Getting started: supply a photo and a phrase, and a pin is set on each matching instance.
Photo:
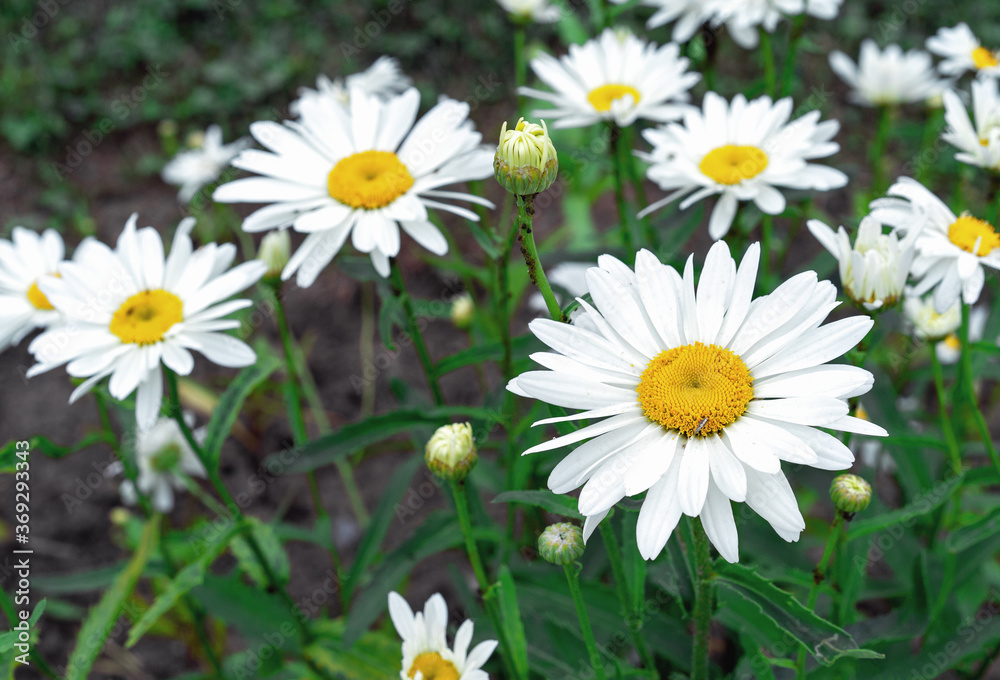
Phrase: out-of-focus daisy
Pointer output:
(963, 52)
(870, 452)
(741, 152)
(884, 78)
(745, 19)
(194, 168)
(128, 310)
(949, 350)
(383, 79)
(531, 11)
(362, 172)
(616, 77)
(163, 459)
(980, 144)
(927, 323)
(951, 249)
(873, 271)
(426, 653)
(24, 261)
(690, 15)
(696, 395)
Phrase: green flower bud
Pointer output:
(526, 162)
(850, 494)
(275, 251)
(451, 452)
(463, 309)
(561, 543)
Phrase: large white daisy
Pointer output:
(24, 261)
(741, 152)
(696, 395)
(963, 52)
(616, 77)
(362, 172)
(883, 78)
(951, 249)
(426, 654)
(978, 144)
(130, 309)
(383, 79)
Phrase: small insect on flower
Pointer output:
(700, 425)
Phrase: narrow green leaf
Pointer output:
(101, 618)
(375, 656)
(510, 615)
(48, 448)
(7, 640)
(926, 502)
(270, 546)
(481, 353)
(544, 499)
(972, 534)
(262, 618)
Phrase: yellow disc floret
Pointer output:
(145, 317)
(37, 298)
(732, 164)
(974, 235)
(369, 180)
(433, 667)
(601, 97)
(695, 389)
(983, 58)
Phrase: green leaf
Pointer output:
(9, 458)
(923, 504)
(481, 353)
(972, 534)
(825, 641)
(102, 617)
(510, 616)
(270, 546)
(7, 640)
(190, 576)
(375, 655)
(262, 618)
(230, 404)
(542, 498)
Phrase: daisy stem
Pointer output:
(819, 576)
(413, 328)
(581, 613)
(793, 47)
(942, 398)
(993, 213)
(520, 66)
(767, 59)
(766, 236)
(702, 600)
(711, 40)
(525, 215)
(970, 385)
(619, 172)
(932, 131)
(648, 232)
(879, 149)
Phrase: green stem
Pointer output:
(819, 576)
(993, 212)
(932, 131)
(981, 425)
(793, 47)
(702, 601)
(525, 214)
(711, 54)
(949, 433)
(879, 149)
(767, 59)
(632, 165)
(465, 521)
(520, 64)
(416, 336)
(581, 612)
(624, 226)
(766, 238)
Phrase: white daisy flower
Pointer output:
(740, 152)
(963, 52)
(949, 350)
(130, 309)
(528, 11)
(745, 19)
(426, 654)
(616, 77)
(362, 172)
(874, 270)
(690, 15)
(927, 323)
(883, 78)
(163, 459)
(24, 261)
(194, 168)
(951, 250)
(696, 395)
(978, 145)
(383, 79)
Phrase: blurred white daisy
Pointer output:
(978, 144)
(949, 350)
(951, 249)
(130, 309)
(383, 79)
(568, 281)
(926, 322)
(745, 19)
(870, 452)
(194, 168)
(616, 77)
(528, 11)
(690, 15)
(163, 459)
(874, 270)
(695, 396)
(883, 78)
(740, 152)
(24, 261)
(362, 172)
(963, 52)
(426, 654)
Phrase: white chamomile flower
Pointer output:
(927, 323)
(951, 250)
(978, 144)
(362, 172)
(615, 77)
(163, 459)
(873, 271)
(383, 79)
(690, 15)
(745, 19)
(531, 11)
(24, 261)
(194, 168)
(889, 77)
(949, 350)
(130, 309)
(426, 654)
(741, 152)
(695, 396)
(963, 52)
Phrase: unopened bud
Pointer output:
(275, 251)
(463, 309)
(850, 494)
(526, 162)
(451, 452)
(561, 543)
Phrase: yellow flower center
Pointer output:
(37, 298)
(600, 98)
(973, 235)
(145, 317)
(983, 58)
(695, 389)
(369, 180)
(732, 164)
(953, 342)
(433, 667)
(861, 413)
